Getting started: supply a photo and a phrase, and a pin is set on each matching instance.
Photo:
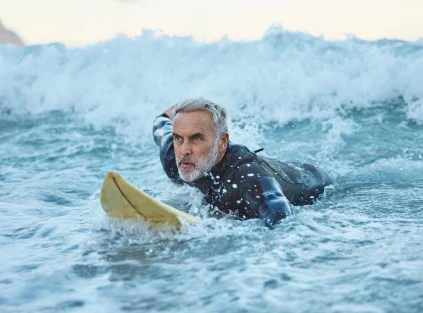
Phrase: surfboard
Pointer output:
(119, 198)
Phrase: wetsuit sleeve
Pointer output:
(162, 133)
(262, 195)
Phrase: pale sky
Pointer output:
(82, 22)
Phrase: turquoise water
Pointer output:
(67, 116)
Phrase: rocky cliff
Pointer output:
(7, 36)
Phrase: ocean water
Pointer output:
(352, 107)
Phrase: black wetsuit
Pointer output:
(245, 184)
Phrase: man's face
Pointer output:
(196, 146)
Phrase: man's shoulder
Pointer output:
(239, 154)
(242, 161)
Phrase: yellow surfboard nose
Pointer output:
(119, 198)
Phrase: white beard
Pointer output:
(203, 166)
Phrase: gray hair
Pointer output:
(219, 113)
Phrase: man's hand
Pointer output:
(169, 112)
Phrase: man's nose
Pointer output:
(186, 148)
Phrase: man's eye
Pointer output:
(176, 138)
(196, 138)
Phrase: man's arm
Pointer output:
(262, 195)
(162, 133)
(169, 113)
(273, 205)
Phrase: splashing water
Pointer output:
(352, 107)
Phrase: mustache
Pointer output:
(186, 160)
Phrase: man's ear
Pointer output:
(223, 141)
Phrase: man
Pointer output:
(195, 148)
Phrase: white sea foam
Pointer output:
(282, 77)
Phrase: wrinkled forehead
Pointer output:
(195, 120)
